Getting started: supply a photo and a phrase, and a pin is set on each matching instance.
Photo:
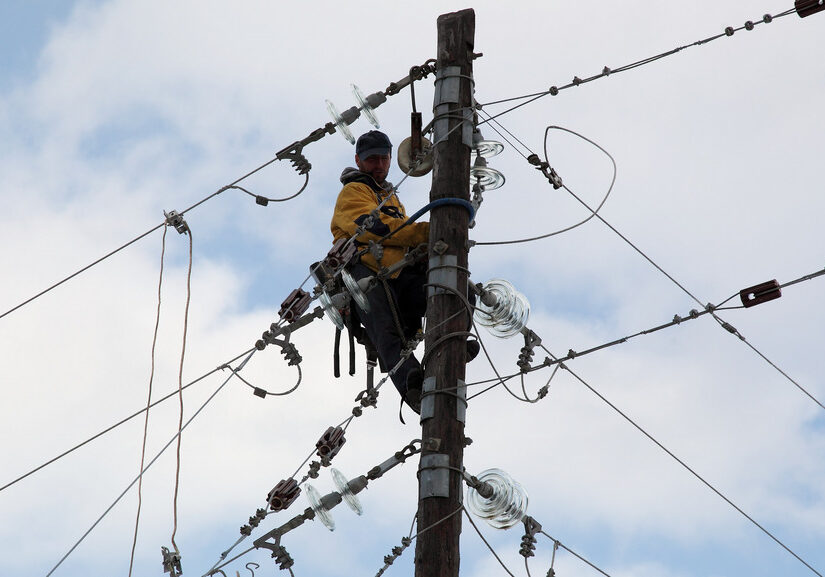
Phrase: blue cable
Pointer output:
(441, 202)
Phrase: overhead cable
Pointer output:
(121, 422)
(606, 71)
(687, 467)
(166, 446)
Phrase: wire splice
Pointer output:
(175, 219)
(171, 562)
(548, 171)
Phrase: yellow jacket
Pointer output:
(359, 197)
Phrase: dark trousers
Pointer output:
(410, 304)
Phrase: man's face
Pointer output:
(376, 165)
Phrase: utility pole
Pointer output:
(443, 403)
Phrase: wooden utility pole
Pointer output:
(444, 400)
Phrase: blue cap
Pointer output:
(371, 143)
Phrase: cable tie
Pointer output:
(767, 18)
(729, 31)
(694, 314)
(572, 354)
(553, 90)
(677, 319)
(748, 25)
(577, 80)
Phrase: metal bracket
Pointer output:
(443, 271)
(427, 400)
(461, 404)
(434, 476)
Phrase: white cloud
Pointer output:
(136, 108)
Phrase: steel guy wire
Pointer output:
(121, 422)
(136, 239)
(345, 424)
(592, 212)
(554, 90)
(400, 457)
(727, 326)
(168, 444)
(490, 547)
(595, 212)
(569, 550)
(469, 308)
(685, 465)
(265, 393)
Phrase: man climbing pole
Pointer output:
(398, 303)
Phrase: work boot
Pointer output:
(415, 379)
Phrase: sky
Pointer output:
(112, 112)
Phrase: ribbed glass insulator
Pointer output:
(505, 311)
(355, 291)
(339, 122)
(489, 178)
(331, 310)
(323, 514)
(365, 107)
(349, 497)
(505, 507)
(487, 148)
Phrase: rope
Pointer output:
(148, 404)
(180, 393)
(152, 462)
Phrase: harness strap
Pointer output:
(351, 352)
(391, 302)
(336, 358)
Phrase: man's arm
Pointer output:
(357, 202)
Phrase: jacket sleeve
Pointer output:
(354, 205)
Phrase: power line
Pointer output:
(121, 422)
(117, 500)
(606, 71)
(595, 213)
(137, 238)
(687, 467)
